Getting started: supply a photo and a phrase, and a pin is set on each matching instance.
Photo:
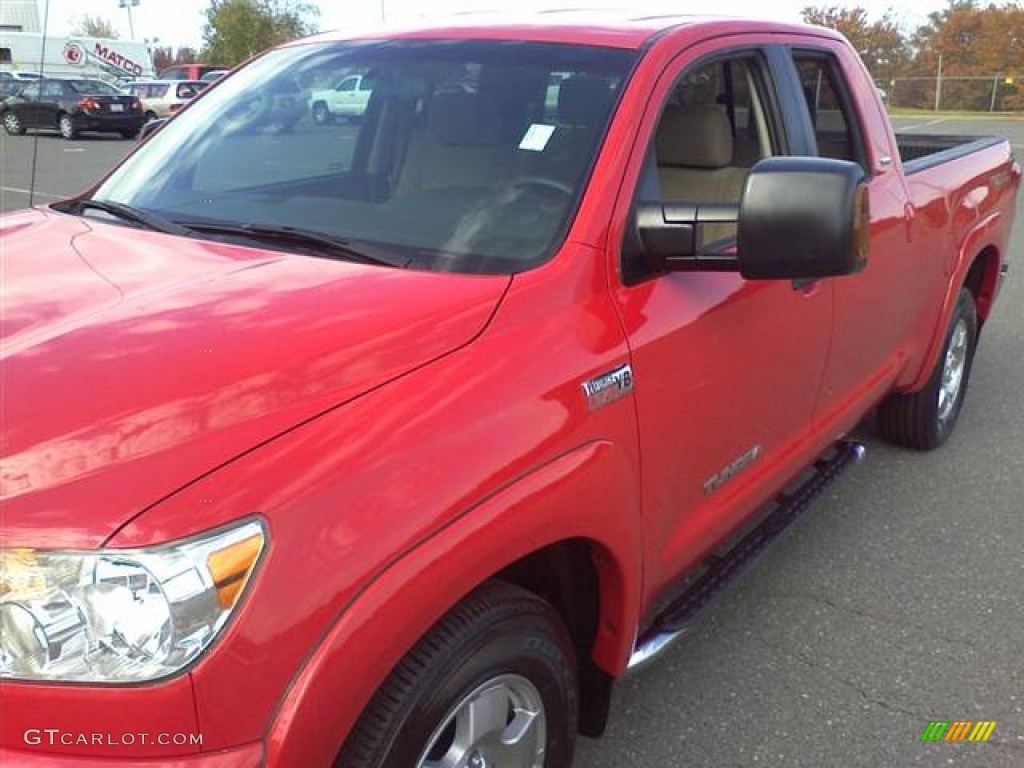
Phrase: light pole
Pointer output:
(129, 4)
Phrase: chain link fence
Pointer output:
(992, 93)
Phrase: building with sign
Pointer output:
(75, 56)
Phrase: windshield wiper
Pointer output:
(127, 213)
(319, 241)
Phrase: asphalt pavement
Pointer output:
(896, 601)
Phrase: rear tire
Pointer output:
(130, 134)
(923, 420)
(13, 124)
(66, 126)
(499, 670)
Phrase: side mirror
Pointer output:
(151, 127)
(803, 218)
(798, 218)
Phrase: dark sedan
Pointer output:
(72, 107)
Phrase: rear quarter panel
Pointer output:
(963, 207)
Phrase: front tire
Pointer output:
(492, 684)
(13, 124)
(67, 127)
(923, 420)
(321, 115)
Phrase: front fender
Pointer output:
(587, 493)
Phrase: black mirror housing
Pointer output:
(669, 235)
(803, 218)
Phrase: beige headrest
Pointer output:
(695, 137)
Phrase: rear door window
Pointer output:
(835, 123)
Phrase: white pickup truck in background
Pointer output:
(347, 99)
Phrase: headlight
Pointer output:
(120, 616)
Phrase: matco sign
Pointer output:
(119, 60)
(77, 55)
(74, 54)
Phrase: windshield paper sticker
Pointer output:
(537, 137)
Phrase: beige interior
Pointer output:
(694, 148)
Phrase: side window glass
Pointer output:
(30, 92)
(52, 90)
(835, 126)
(711, 133)
(349, 84)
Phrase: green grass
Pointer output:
(912, 112)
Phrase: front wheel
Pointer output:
(13, 124)
(923, 420)
(492, 685)
(321, 115)
(66, 126)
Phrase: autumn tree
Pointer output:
(93, 26)
(975, 41)
(238, 29)
(880, 43)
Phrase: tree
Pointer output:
(881, 44)
(238, 29)
(166, 56)
(93, 26)
(975, 42)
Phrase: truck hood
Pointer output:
(134, 362)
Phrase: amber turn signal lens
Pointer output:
(861, 226)
(230, 568)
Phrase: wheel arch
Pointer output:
(983, 281)
(532, 534)
(977, 268)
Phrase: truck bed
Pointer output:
(921, 150)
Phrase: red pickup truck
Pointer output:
(394, 444)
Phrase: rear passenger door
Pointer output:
(726, 371)
(876, 309)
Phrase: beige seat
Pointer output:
(462, 146)
(694, 149)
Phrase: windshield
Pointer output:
(458, 155)
(92, 87)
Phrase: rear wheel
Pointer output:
(923, 420)
(492, 685)
(130, 134)
(13, 124)
(151, 116)
(67, 127)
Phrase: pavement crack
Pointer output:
(861, 613)
(857, 688)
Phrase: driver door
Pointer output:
(726, 370)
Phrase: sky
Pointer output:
(180, 22)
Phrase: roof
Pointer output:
(614, 28)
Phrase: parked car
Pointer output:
(20, 75)
(214, 75)
(347, 99)
(162, 98)
(188, 71)
(395, 446)
(10, 87)
(71, 107)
